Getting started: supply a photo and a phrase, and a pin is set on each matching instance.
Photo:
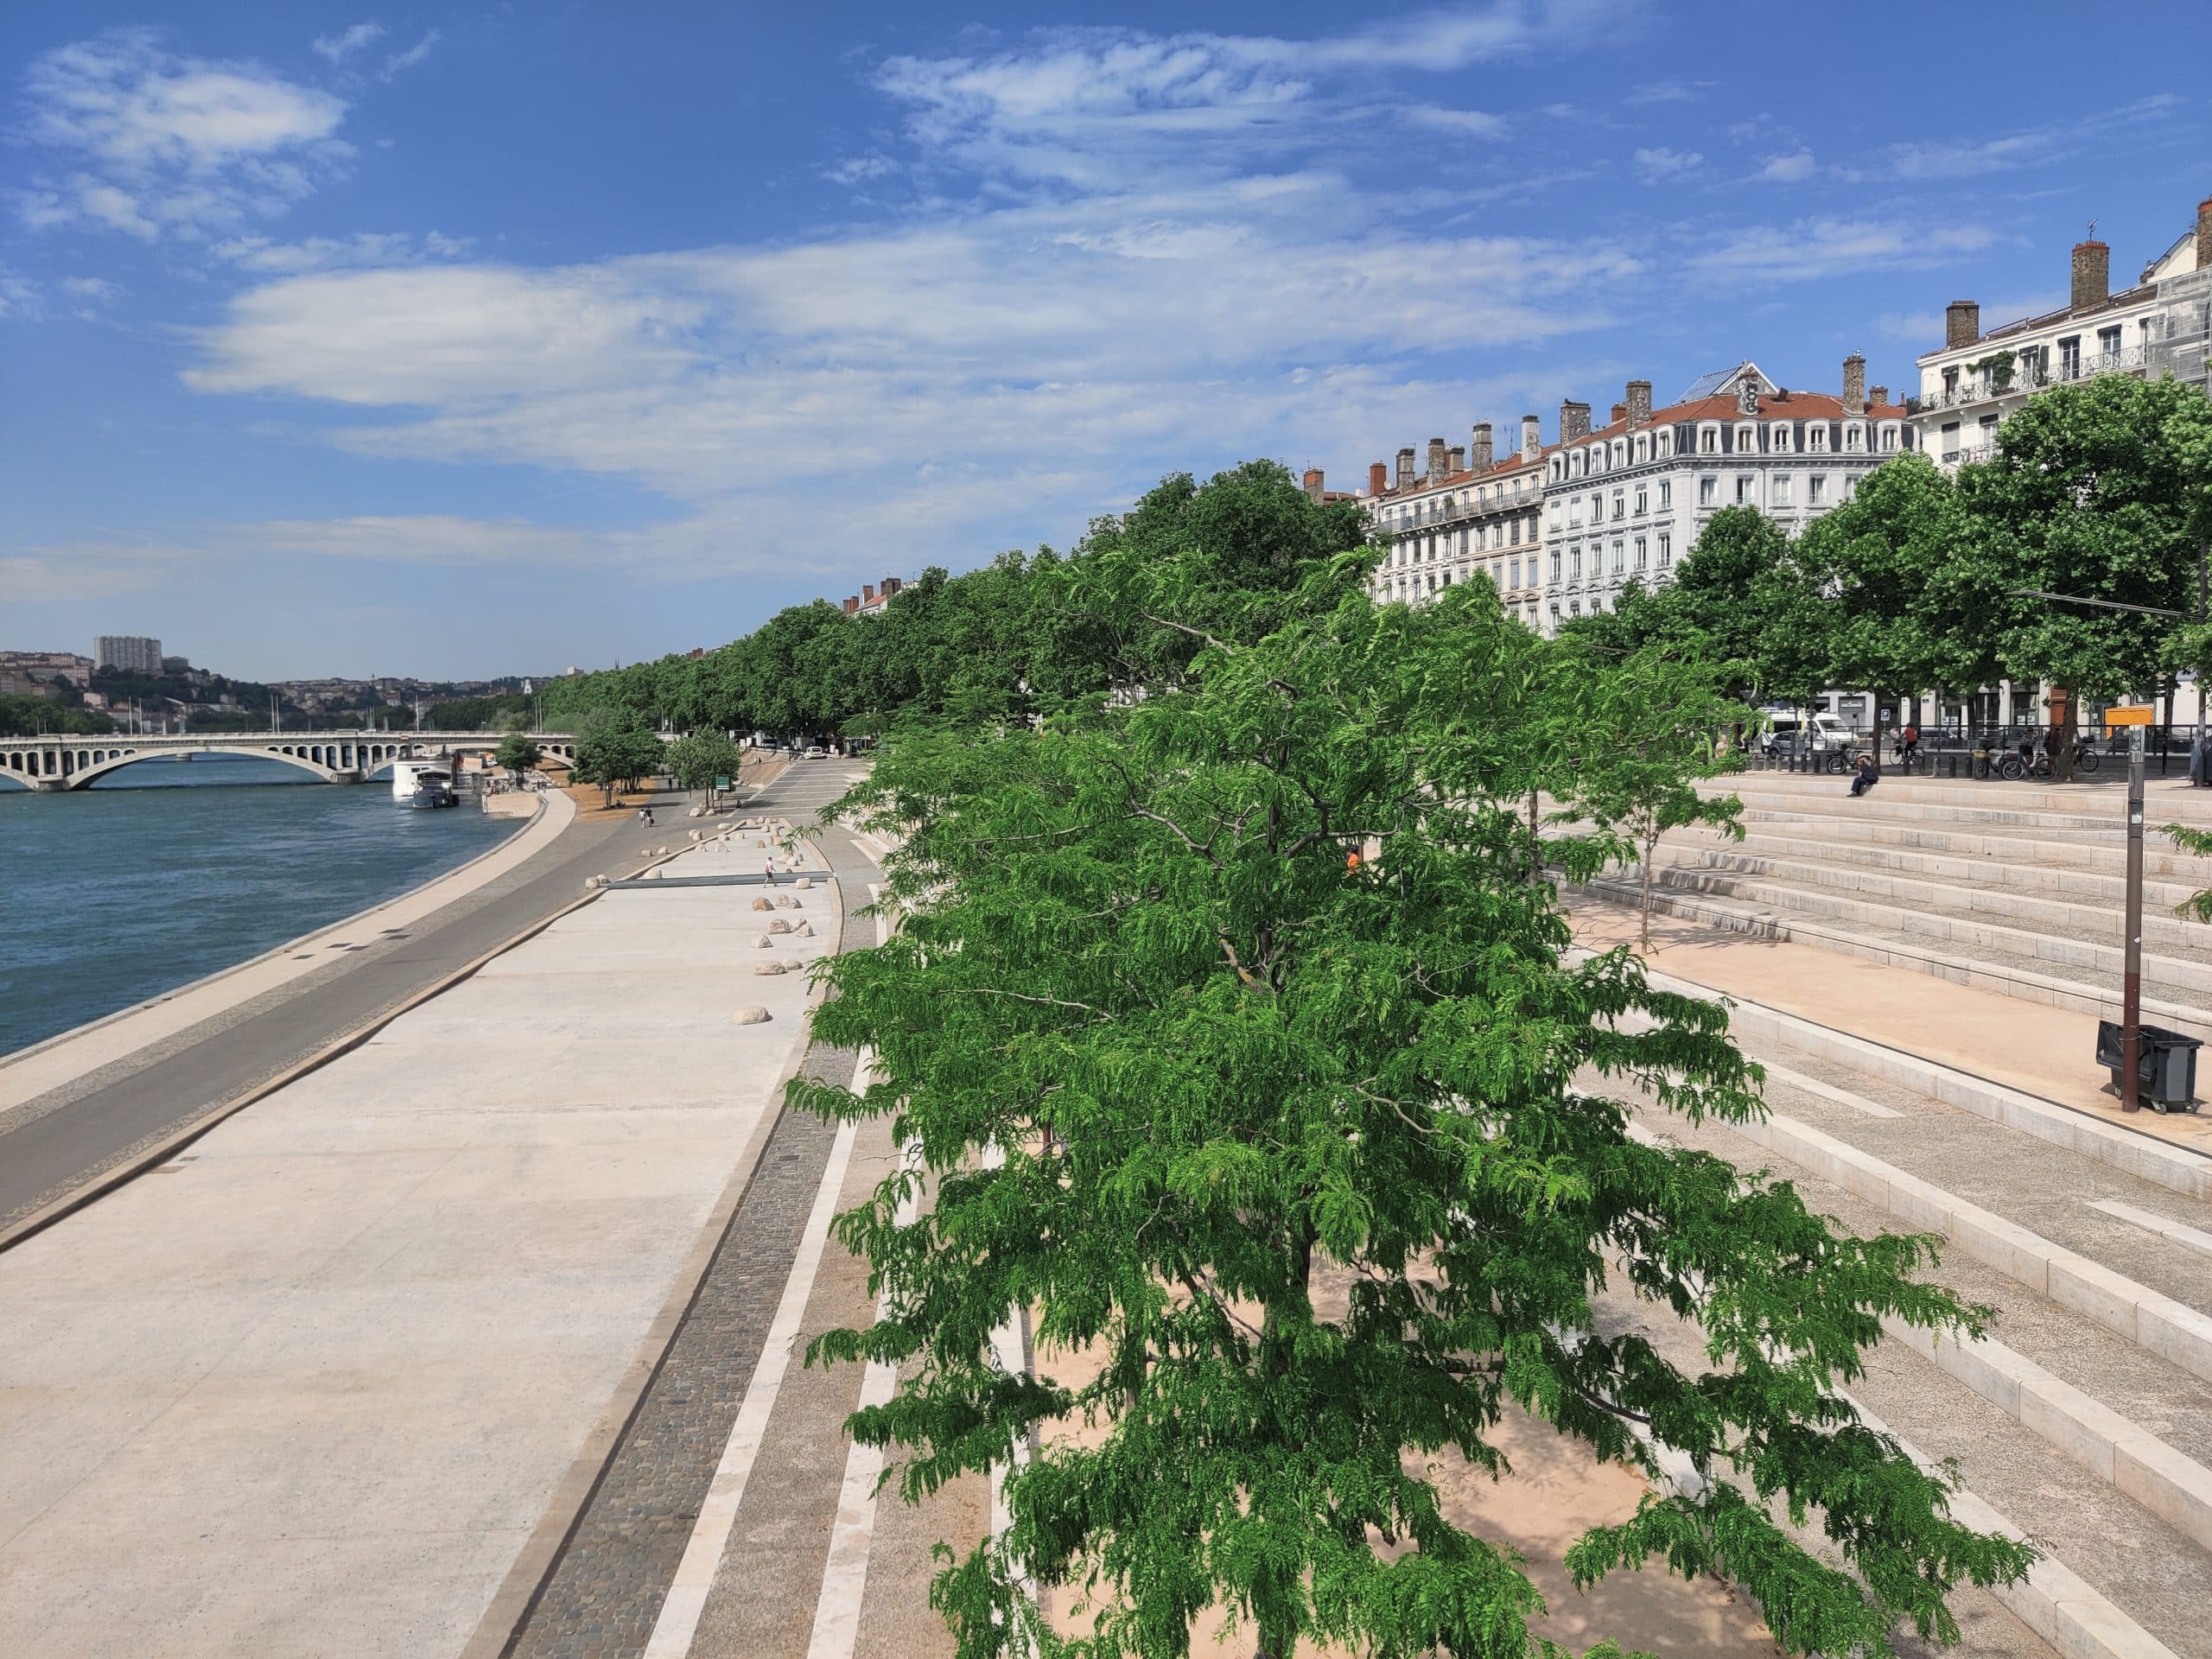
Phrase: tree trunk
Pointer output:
(1535, 845)
(1650, 849)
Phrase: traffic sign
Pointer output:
(2128, 717)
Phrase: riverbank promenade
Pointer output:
(313, 1384)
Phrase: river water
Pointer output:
(162, 873)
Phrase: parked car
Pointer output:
(817, 752)
(1789, 733)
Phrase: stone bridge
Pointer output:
(57, 762)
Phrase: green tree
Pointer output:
(1647, 729)
(2198, 905)
(614, 749)
(22, 716)
(1303, 1149)
(2098, 491)
(698, 758)
(517, 754)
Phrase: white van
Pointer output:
(1790, 733)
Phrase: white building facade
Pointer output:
(1975, 378)
(1471, 511)
(1625, 502)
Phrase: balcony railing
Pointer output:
(1970, 454)
(1983, 389)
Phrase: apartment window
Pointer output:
(1555, 571)
(1597, 508)
(2069, 358)
(1643, 500)
(1517, 532)
(1554, 614)
(1642, 450)
(1515, 569)
(1816, 439)
(1747, 489)
(1574, 509)
(1574, 563)
(1620, 505)
(1747, 438)
(2108, 345)
(1643, 556)
(1666, 550)
(1708, 491)
(1708, 440)
(1575, 607)
(1782, 492)
(1950, 385)
(1854, 438)
(1889, 438)
(1620, 557)
(1816, 490)
(1851, 485)
(1620, 454)
(1778, 438)
(1666, 493)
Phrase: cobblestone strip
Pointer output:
(607, 1588)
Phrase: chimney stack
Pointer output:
(2092, 274)
(1619, 415)
(2204, 234)
(1378, 478)
(1573, 420)
(1854, 385)
(1880, 395)
(852, 604)
(1439, 457)
(1313, 481)
(1458, 461)
(1639, 403)
(1478, 450)
(1532, 442)
(868, 593)
(1406, 467)
(892, 585)
(1961, 324)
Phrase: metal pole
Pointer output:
(2131, 984)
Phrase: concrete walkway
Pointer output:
(309, 1389)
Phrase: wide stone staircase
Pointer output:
(2010, 887)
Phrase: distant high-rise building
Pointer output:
(128, 651)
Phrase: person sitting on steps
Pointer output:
(1869, 774)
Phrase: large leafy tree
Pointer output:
(614, 749)
(1174, 1057)
(698, 758)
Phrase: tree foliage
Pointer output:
(517, 752)
(699, 758)
(614, 749)
(22, 716)
(1315, 1156)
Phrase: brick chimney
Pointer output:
(1573, 420)
(1639, 403)
(1406, 467)
(868, 593)
(1961, 324)
(852, 603)
(1478, 449)
(1378, 478)
(1854, 385)
(2204, 234)
(1458, 461)
(2092, 274)
(1313, 482)
(1880, 395)
(1532, 442)
(892, 585)
(1438, 459)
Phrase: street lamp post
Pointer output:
(2131, 977)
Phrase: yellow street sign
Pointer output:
(2128, 717)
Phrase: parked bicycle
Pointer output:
(2033, 760)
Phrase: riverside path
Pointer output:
(340, 1377)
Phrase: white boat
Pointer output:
(407, 776)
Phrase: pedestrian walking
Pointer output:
(769, 870)
(1869, 774)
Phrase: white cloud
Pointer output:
(1670, 91)
(858, 169)
(341, 45)
(86, 569)
(160, 144)
(1935, 161)
(1663, 166)
(1475, 123)
(413, 55)
(363, 248)
(19, 300)
(1813, 248)
(1793, 168)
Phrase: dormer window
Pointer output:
(1620, 453)
(1708, 440)
(1854, 437)
(1816, 438)
(1642, 448)
(1665, 444)
(1747, 438)
(1889, 438)
(1778, 437)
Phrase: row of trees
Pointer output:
(1244, 1044)
(2101, 491)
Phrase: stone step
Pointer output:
(2106, 851)
(2019, 928)
(2100, 802)
(2024, 978)
(2080, 915)
(2099, 884)
(1995, 813)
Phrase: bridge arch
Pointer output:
(84, 770)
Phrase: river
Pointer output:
(162, 873)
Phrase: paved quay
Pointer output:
(91, 1101)
(316, 1385)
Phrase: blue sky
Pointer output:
(461, 341)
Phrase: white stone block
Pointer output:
(754, 1015)
(2104, 1296)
